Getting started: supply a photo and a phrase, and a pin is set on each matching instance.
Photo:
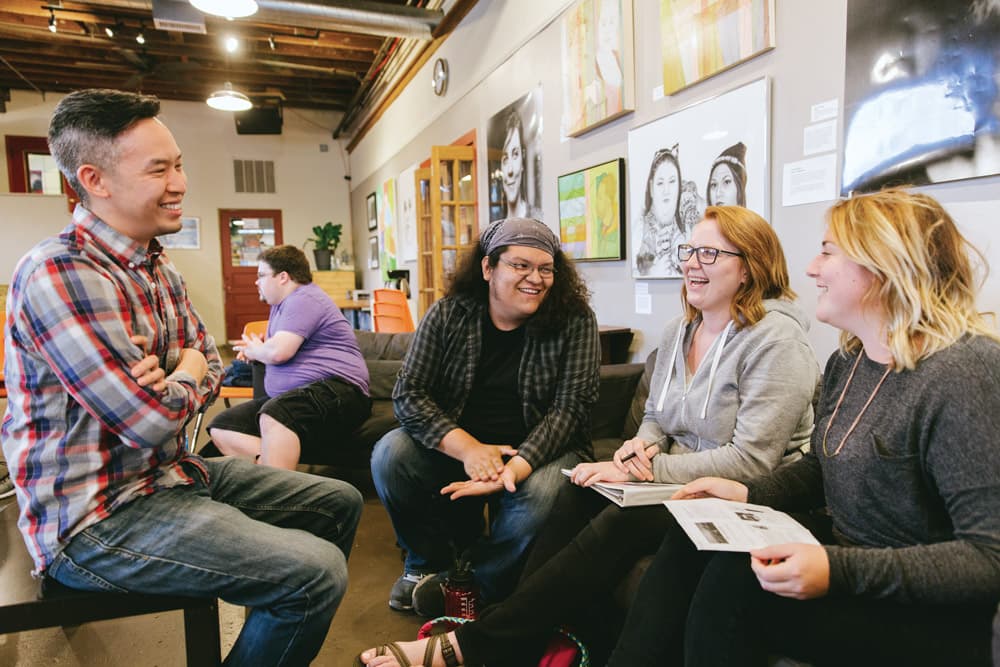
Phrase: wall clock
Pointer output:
(440, 78)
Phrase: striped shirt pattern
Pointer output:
(557, 380)
(80, 436)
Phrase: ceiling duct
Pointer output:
(178, 16)
(357, 16)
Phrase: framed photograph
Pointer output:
(701, 38)
(591, 214)
(714, 152)
(188, 238)
(514, 159)
(372, 202)
(920, 93)
(597, 64)
(373, 252)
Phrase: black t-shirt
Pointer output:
(493, 412)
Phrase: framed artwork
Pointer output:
(387, 227)
(591, 214)
(407, 192)
(514, 159)
(714, 152)
(598, 83)
(701, 38)
(188, 238)
(921, 97)
(372, 205)
(373, 252)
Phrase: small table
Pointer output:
(615, 342)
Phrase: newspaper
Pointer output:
(723, 525)
(633, 494)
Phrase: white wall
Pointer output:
(807, 67)
(310, 186)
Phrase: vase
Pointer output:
(322, 258)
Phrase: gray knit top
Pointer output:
(915, 492)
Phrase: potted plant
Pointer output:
(325, 242)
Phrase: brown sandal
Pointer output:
(447, 651)
(385, 649)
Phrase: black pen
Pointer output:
(630, 456)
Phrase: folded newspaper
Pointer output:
(724, 525)
(633, 494)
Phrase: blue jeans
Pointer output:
(431, 527)
(273, 540)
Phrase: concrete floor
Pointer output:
(363, 620)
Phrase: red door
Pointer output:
(245, 233)
(30, 168)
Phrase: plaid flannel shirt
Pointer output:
(80, 436)
(557, 380)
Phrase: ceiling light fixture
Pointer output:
(271, 42)
(109, 31)
(140, 37)
(232, 44)
(226, 8)
(228, 99)
(52, 21)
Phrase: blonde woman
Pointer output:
(904, 456)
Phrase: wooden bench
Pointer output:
(25, 606)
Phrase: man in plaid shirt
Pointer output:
(106, 363)
(494, 399)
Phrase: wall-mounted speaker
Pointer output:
(259, 120)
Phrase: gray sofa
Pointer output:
(616, 415)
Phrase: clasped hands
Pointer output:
(487, 471)
(247, 350)
(799, 571)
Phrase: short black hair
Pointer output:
(86, 123)
(289, 259)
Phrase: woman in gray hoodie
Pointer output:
(730, 396)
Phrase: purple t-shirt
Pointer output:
(329, 348)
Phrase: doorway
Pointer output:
(245, 233)
(31, 169)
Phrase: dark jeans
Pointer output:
(709, 609)
(584, 550)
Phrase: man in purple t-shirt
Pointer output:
(316, 380)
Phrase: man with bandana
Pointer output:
(494, 399)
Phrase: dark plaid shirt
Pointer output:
(557, 379)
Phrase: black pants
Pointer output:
(584, 550)
(699, 608)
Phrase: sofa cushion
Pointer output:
(637, 409)
(383, 345)
(614, 395)
(382, 377)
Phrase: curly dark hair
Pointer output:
(567, 297)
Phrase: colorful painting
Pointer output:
(597, 63)
(591, 215)
(714, 152)
(701, 38)
(921, 92)
(387, 227)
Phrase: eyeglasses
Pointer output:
(706, 254)
(524, 269)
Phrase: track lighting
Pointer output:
(52, 21)
(140, 37)
(109, 31)
(271, 42)
(232, 44)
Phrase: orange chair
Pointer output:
(391, 311)
(259, 328)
